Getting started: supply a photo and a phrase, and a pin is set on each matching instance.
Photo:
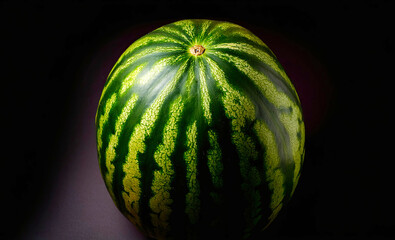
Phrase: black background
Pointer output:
(346, 48)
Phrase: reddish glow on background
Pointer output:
(79, 206)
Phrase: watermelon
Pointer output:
(200, 132)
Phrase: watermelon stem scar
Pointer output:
(197, 50)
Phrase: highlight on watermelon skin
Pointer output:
(200, 132)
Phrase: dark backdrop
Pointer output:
(55, 59)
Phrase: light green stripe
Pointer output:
(237, 107)
(246, 34)
(210, 38)
(272, 161)
(189, 82)
(214, 160)
(150, 39)
(289, 119)
(187, 27)
(156, 69)
(267, 87)
(205, 25)
(246, 149)
(103, 119)
(110, 151)
(131, 181)
(219, 29)
(251, 179)
(204, 92)
(161, 185)
(130, 80)
(176, 32)
(226, 25)
(240, 109)
(237, 30)
(190, 156)
(258, 53)
(135, 57)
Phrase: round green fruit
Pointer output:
(200, 132)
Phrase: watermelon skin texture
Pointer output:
(199, 146)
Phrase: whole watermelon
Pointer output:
(200, 132)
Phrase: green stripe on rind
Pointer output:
(269, 113)
(130, 80)
(203, 27)
(206, 38)
(287, 130)
(274, 174)
(135, 57)
(188, 27)
(156, 70)
(218, 32)
(214, 160)
(147, 41)
(295, 132)
(110, 151)
(237, 107)
(161, 185)
(298, 151)
(103, 120)
(240, 110)
(131, 181)
(204, 92)
(268, 79)
(251, 178)
(261, 81)
(190, 156)
(188, 85)
(280, 100)
(256, 52)
(174, 31)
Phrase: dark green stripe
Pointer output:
(252, 205)
(156, 44)
(202, 148)
(115, 87)
(216, 108)
(123, 73)
(144, 101)
(171, 35)
(266, 112)
(108, 129)
(279, 82)
(178, 217)
(191, 113)
(181, 31)
(195, 27)
(230, 195)
(208, 32)
(203, 174)
(230, 221)
(198, 24)
(115, 84)
(241, 39)
(146, 160)
(147, 164)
